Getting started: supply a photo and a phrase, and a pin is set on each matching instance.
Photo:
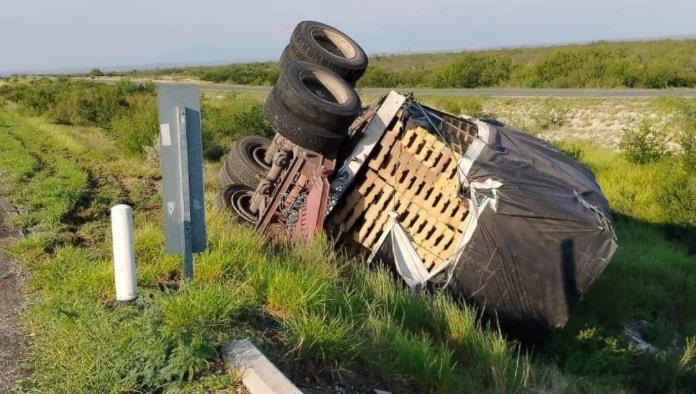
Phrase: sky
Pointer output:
(69, 35)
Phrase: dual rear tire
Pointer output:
(313, 102)
(241, 173)
(321, 44)
(312, 106)
(245, 164)
(237, 199)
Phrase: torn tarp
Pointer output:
(538, 234)
(538, 231)
(395, 245)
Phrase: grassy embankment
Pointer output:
(632, 64)
(318, 314)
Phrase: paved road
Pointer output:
(495, 92)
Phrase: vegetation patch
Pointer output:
(632, 64)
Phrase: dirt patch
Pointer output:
(11, 281)
(599, 121)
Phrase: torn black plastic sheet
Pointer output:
(538, 234)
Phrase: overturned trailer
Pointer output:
(473, 207)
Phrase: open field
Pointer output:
(632, 64)
(66, 156)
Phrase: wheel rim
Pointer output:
(240, 202)
(257, 154)
(324, 86)
(333, 43)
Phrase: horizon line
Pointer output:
(165, 65)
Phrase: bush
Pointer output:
(687, 141)
(126, 110)
(379, 76)
(677, 198)
(240, 74)
(470, 71)
(82, 104)
(79, 103)
(95, 72)
(644, 143)
(686, 123)
(233, 116)
(135, 129)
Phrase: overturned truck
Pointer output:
(473, 207)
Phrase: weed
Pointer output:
(136, 128)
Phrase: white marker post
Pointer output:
(124, 253)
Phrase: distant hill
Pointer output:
(628, 64)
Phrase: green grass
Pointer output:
(309, 307)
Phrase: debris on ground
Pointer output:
(633, 330)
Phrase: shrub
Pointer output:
(470, 71)
(644, 143)
(241, 74)
(135, 129)
(686, 123)
(126, 109)
(84, 104)
(95, 72)
(378, 76)
(687, 141)
(232, 116)
(677, 198)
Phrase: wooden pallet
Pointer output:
(413, 173)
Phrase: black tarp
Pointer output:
(539, 232)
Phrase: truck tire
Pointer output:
(298, 130)
(327, 46)
(223, 176)
(245, 163)
(237, 198)
(318, 96)
(286, 57)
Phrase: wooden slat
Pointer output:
(414, 174)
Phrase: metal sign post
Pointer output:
(181, 158)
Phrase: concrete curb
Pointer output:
(259, 375)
